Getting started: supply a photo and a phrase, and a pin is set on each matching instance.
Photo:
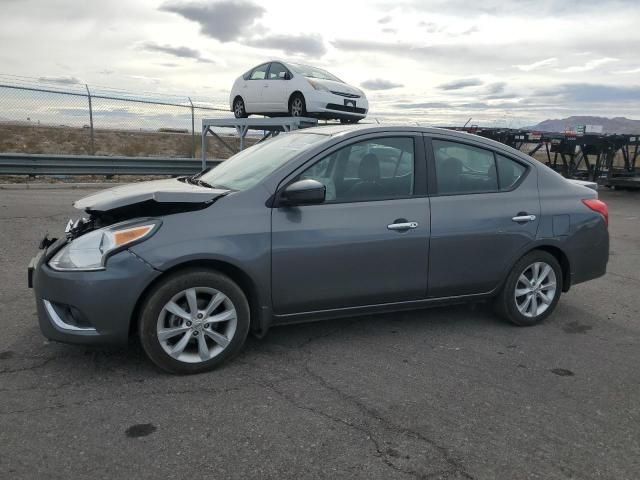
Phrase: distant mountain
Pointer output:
(609, 125)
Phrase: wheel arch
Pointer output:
(563, 259)
(232, 100)
(293, 94)
(558, 253)
(258, 320)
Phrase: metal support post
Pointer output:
(93, 148)
(193, 130)
(204, 147)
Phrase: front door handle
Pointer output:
(402, 226)
(521, 218)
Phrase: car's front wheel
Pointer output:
(297, 106)
(193, 321)
(532, 289)
(239, 110)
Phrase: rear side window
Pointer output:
(462, 168)
(509, 172)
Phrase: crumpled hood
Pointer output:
(169, 191)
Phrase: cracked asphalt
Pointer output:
(449, 393)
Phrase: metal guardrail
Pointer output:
(26, 164)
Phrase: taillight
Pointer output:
(598, 206)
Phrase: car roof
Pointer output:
(333, 129)
(346, 131)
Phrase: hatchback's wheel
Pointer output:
(297, 106)
(193, 321)
(532, 289)
(238, 108)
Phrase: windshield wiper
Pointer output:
(194, 180)
(199, 174)
(202, 183)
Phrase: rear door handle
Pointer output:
(403, 226)
(523, 218)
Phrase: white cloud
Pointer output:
(224, 20)
(67, 80)
(590, 65)
(626, 72)
(443, 52)
(547, 62)
(380, 84)
(460, 84)
(310, 45)
(180, 51)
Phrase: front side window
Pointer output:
(462, 168)
(277, 71)
(376, 169)
(252, 165)
(259, 73)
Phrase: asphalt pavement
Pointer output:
(450, 392)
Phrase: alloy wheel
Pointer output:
(197, 324)
(238, 108)
(296, 107)
(535, 289)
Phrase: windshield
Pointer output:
(251, 166)
(313, 72)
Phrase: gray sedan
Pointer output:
(327, 222)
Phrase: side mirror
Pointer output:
(303, 192)
(287, 76)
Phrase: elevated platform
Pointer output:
(270, 126)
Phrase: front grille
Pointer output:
(342, 108)
(348, 95)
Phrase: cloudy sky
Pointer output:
(507, 63)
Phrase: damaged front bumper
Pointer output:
(88, 307)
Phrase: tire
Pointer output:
(239, 110)
(164, 328)
(297, 106)
(518, 309)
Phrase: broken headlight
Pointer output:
(90, 251)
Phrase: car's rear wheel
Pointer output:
(532, 289)
(193, 321)
(297, 106)
(239, 109)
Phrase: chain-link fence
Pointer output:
(40, 116)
